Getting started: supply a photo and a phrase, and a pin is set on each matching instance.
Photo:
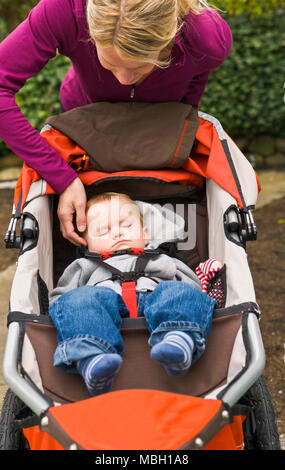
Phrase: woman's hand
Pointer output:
(72, 199)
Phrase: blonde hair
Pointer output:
(139, 29)
(107, 197)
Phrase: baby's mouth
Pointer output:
(119, 242)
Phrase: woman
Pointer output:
(121, 50)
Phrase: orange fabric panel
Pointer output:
(229, 437)
(208, 159)
(214, 164)
(39, 440)
(66, 147)
(179, 176)
(28, 176)
(135, 420)
(258, 182)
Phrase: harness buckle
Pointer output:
(127, 276)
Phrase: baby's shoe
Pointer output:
(98, 372)
(174, 352)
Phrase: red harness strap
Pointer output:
(128, 284)
(129, 295)
(129, 292)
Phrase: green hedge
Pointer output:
(253, 8)
(246, 93)
(3, 29)
(39, 98)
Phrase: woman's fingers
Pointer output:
(73, 200)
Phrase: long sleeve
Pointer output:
(209, 40)
(22, 55)
(196, 89)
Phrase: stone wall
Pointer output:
(10, 167)
(264, 151)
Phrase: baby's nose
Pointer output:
(117, 231)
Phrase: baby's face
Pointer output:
(114, 225)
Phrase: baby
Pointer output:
(87, 305)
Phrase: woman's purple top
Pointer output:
(52, 25)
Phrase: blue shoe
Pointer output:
(174, 352)
(98, 372)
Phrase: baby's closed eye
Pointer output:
(102, 231)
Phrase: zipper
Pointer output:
(133, 91)
(83, 165)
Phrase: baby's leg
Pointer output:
(179, 318)
(175, 352)
(98, 372)
(88, 321)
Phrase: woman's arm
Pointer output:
(49, 27)
(196, 89)
(209, 41)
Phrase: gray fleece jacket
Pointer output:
(164, 226)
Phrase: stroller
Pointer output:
(223, 403)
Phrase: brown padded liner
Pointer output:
(138, 370)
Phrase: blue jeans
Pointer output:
(88, 319)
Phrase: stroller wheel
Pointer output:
(260, 428)
(11, 436)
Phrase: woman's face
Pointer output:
(125, 71)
